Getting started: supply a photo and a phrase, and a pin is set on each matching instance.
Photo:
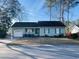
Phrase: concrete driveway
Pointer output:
(38, 51)
(7, 53)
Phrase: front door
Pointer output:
(37, 31)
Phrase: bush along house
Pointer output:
(38, 29)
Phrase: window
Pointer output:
(59, 30)
(48, 30)
(44, 30)
(55, 31)
(32, 30)
(37, 30)
(26, 30)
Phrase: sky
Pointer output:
(33, 10)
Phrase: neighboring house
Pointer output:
(75, 29)
(41, 28)
(72, 28)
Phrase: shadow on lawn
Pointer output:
(9, 46)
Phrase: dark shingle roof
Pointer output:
(50, 23)
(39, 24)
(25, 24)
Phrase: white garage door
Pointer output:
(18, 33)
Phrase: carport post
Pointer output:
(11, 33)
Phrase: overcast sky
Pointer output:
(34, 11)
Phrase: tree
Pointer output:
(68, 5)
(63, 6)
(49, 4)
(9, 9)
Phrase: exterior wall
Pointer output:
(19, 31)
(46, 31)
(32, 30)
(49, 31)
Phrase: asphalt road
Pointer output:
(38, 51)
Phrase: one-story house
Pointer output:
(40, 28)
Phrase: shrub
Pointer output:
(46, 35)
(59, 36)
(28, 35)
(2, 34)
(74, 36)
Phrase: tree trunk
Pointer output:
(68, 18)
(61, 12)
(50, 11)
